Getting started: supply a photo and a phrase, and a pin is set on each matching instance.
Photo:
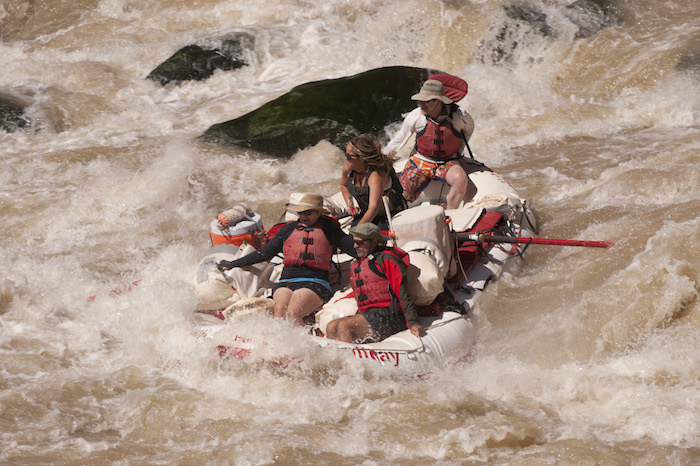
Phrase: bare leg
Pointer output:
(458, 180)
(302, 303)
(353, 328)
(332, 329)
(281, 299)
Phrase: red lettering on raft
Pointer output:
(379, 356)
(242, 339)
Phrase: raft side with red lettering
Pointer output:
(377, 355)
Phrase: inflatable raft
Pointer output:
(452, 262)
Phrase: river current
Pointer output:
(584, 356)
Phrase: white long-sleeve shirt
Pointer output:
(415, 122)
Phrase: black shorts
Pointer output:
(384, 321)
(317, 288)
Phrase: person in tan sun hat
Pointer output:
(308, 245)
(442, 130)
(379, 283)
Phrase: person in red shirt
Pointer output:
(378, 279)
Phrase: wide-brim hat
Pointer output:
(367, 231)
(308, 202)
(432, 89)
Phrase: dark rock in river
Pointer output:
(531, 15)
(332, 109)
(592, 15)
(690, 63)
(528, 24)
(12, 115)
(524, 25)
(199, 61)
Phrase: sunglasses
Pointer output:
(348, 155)
(306, 212)
(359, 242)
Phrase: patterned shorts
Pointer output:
(418, 173)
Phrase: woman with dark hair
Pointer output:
(368, 175)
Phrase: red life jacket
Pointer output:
(308, 247)
(370, 284)
(439, 140)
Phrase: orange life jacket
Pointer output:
(369, 282)
(308, 247)
(439, 141)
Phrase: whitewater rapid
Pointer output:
(584, 355)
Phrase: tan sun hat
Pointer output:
(367, 231)
(308, 202)
(432, 89)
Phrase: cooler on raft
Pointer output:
(250, 231)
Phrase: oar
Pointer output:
(481, 238)
(385, 201)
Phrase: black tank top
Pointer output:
(361, 195)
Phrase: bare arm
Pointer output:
(343, 184)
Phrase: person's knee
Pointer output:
(342, 326)
(332, 329)
(296, 313)
(279, 309)
(457, 178)
(346, 330)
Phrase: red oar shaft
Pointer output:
(550, 241)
